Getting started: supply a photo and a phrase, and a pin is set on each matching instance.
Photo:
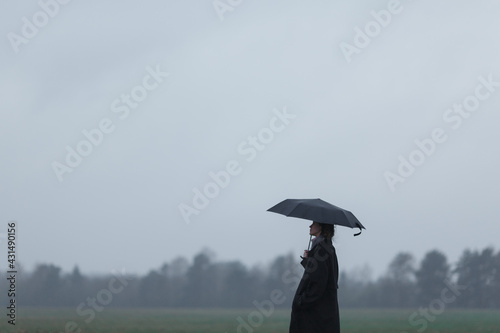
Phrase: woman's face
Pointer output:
(315, 229)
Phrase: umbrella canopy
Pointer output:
(317, 210)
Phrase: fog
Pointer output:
(132, 133)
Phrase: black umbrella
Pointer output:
(317, 210)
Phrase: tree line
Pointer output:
(207, 283)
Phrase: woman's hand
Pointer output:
(306, 254)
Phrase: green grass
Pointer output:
(48, 320)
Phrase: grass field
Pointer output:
(49, 320)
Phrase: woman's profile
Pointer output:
(315, 306)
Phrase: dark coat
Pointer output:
(315, 308)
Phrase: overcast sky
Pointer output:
(117, 116)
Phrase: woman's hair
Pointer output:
(327, 231)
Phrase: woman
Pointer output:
(315, 308)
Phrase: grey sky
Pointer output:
(226, 80)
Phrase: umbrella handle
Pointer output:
(308, 246)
